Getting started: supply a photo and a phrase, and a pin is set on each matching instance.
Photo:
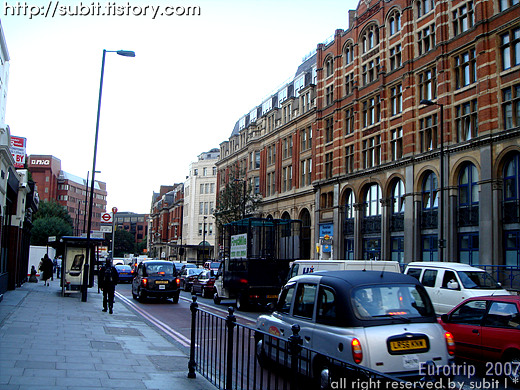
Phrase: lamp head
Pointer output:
(427, 102)
(126, 53)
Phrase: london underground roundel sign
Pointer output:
(106, 217)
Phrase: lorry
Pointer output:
(300, 267)
(257, 254)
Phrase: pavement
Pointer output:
(52, 342)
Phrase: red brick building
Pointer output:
(68, 190)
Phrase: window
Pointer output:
(370, 70)
(201, 189)
(204, 171)
(426, 39)
(201, 208)
(326, 313)
(329, 130)
(298, 84)
(512, 179)
(349, 121)
(430, 193)
(373, 201)
(195, 172)
(200, 229)
(465, 69)
(329, 67)
(398, 198)
(304, 302)
(429, 278)
(212, 188)
(505, 4)
(371, 111)
(349, 83)
(395, 57)
(424, 6)
(511, 106)
(428, 84)
(463, 18)
(257, 184)
(329, 95)
(470, 313)
(396, 144)
(468, 186)
(349, 159)
(349, 54)
(287, 178)
(284, 303)
(370, 38)
(303, 169)
(372, 152)
(394, 23)
(466, 120)
(396, 99)
(309, 171)
(510, 48)
(328, 165)
(257, 160)
(428, 133)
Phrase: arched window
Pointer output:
(430, 193)
(373, 201)
(512, 178)
(370, 38)
(349, 205)
(468, 187)
(394, 23)
(286, 215)
(349, 54)
(398, 197)
(329, 66)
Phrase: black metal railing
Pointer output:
(507, 275)
(511, 211)
(371, 224)
(467, 216)
(397, 222)
(349, 226)
(233, 356)
(429, 219)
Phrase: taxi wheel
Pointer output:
(242, 303)
(216, 299)
(141, 296)
(513, 374)
(133, 295)
(175, 298)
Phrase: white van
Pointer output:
(448, 284)
(300, 267)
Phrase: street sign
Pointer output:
(51, 239)
(106, 217)
(114, 210)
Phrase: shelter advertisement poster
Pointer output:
(18, 146)
(238, 246)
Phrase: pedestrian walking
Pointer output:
(107, 280)
(46, 267)
(58, 267)
(33, 278)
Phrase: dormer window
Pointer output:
(299, 83)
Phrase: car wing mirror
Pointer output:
(271, 307)
(445, 318)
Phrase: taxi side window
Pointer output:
(326, 313)
(415, 272)
(429, 277)
(503, 315)
(285, 300)
(305, 298)
(470, 313)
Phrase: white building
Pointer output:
(198, 230)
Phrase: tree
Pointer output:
(141, 246)
(125, 243)
(51, 219)
(235, 202)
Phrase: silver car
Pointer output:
(380, 320)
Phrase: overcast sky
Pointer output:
(192, 78)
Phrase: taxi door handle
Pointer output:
(474, 331)
(307, 338)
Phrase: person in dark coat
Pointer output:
(46, 267)
(107, 281)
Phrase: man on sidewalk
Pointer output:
(107, 280)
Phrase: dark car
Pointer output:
(156, 278)
(125, 272)
(487, 329)
(186, 277)
(381, 320)
(204, 284)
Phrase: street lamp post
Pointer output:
(442, 242)
(124, 53)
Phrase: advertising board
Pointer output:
(238, 248)
(18, 146)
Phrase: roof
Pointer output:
(363, 277)
(444, 264)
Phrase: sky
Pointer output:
(192, 78)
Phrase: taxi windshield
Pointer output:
(159, 269)
(400, 301)
(482, 280)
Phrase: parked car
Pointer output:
(204, 284)
(156, 278)
(381, 320)
(487, 329)
(186, 277)
(125, 272)
(448, 284)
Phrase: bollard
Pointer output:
(191, 363)
(230, 324)
(295, 347)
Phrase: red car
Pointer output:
(204, 284)
(487, 329)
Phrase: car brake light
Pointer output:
(357, 352)
(450, 343)
(144, 282)
(244, 281)
(178, 281)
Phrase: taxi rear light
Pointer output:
(178, 281)
(450, 343)
(357, 351)
(144, 282)
(243, 281)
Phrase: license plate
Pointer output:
(408, 345)
(162, 287)
(410, 361)
(124, 273)
(272, 297)
(161, 282)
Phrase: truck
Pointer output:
(257, 255)
(300, 267)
